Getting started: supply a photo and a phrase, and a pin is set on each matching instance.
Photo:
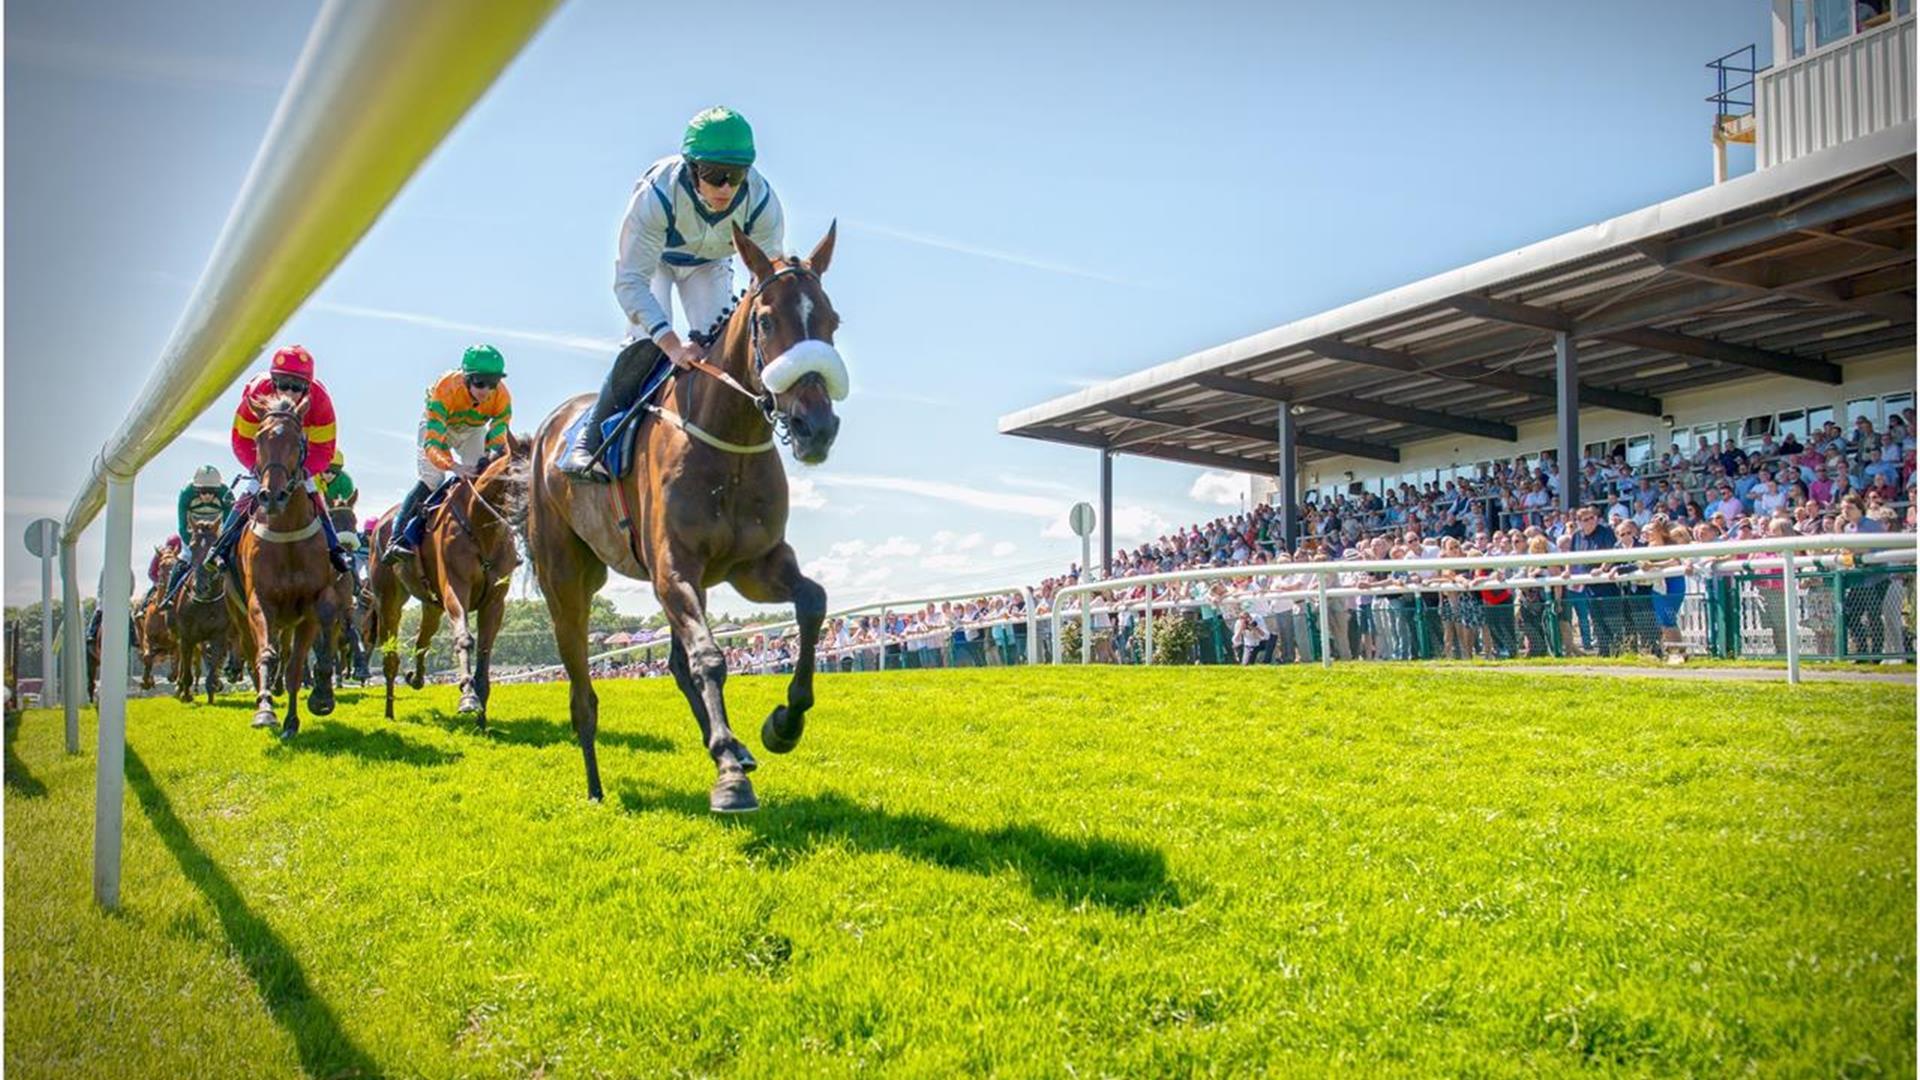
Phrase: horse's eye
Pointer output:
(766, 322)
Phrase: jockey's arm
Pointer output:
(643, 237)
(321, 430)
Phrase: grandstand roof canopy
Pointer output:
(1791, 270)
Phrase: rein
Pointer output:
(764, 400)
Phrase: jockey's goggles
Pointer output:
(719, 175)
(290, 384)
(483, 382)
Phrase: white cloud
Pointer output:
(947, 540)
(1219, 488)
(1035, 484)
(999, 501)
(949, 561)
(804, 494)
(960, 247)
(1131, 523)
(894, 546)
(874, 576)
(603, 348)
(1004, 548)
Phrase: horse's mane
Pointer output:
(507, 483)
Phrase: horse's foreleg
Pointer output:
(777, 579)
(453, 596)
(569, 575)
(263, 664)
(491, 614)
(295, 663)
(675, 579)
(320, 700)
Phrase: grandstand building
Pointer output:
(1763, 305)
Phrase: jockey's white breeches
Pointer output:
(468, 444)
(704, 293)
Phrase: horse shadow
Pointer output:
(344, 740)
(20, 780)
(325, 1049)
(539, 731)
(1115, 874)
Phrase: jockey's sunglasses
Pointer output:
(720, 175)
(483, 382)
(290, 384)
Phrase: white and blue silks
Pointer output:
(669, 239)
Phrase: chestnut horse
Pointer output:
(154, 635)
(287, 586)
(705, 502)
(202, 623)
(463, 570)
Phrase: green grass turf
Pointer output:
(1038, 872)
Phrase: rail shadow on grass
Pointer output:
(335, 738)
(325, 1050)
(20, 779)
(1112, 873)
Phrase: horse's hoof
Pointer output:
(320, 706)
(469, 704)
(773, 733)
(265, 718)
(416, 681)
(732, 794)
(287, 733)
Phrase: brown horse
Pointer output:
(153, 631)
(202, 621)
(287, 583)
(705, 502)
(463, 569)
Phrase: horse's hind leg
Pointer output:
(422, 641)
(569, 576)
(705, 679)
(320, 700)
(776, 579)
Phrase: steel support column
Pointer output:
(1566, 373)
(1106, 514)
(1289, 475)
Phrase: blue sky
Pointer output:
(1031, 198)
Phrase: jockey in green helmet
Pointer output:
(678, 236)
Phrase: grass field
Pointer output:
(1037, 872)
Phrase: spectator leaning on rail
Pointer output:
(678, 236)
(468, 414)
(290, 373)
(205, 499)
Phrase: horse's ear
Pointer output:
(750, 253)
(823, 251)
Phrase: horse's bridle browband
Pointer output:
(295, 474)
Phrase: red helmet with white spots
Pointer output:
(293, 360)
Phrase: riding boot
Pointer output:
(180, 570)
(621, 388)
(336, 554)
(400, 547)
(230, 533)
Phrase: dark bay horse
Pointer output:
(463, 571)
(704, 503)
(202, 621)
(287, 586)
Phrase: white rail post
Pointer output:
(883, 641)
(1147, 658)
(1055, 616)
(1792, 599)
(1086, 628)
(1033, 629)
(48, 536)
(110, 775)
(73, 649)
(1326, 622)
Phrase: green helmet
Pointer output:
(719, 135)
(483, 360)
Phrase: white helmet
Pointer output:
(209, 476)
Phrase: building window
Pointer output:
(1859, 407)
(1639, 450)
(1817, 418)
(1799, 27)
(1793, 422)
(1832, 20)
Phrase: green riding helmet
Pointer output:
(719, 135)
(483, 360)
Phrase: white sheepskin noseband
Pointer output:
(807, 356)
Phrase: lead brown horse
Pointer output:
(705, 502)
(462, 572)
(287, 586)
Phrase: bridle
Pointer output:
(756, 352)
(296, 474)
